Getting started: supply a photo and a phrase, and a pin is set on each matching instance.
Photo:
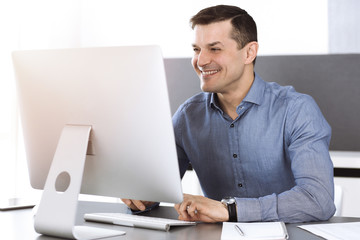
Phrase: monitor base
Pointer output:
(57, 210)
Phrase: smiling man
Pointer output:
(223, 66)
(260, 150)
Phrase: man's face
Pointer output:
(217, 59)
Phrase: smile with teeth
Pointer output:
(207, 73)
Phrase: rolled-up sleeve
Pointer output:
(307, 138)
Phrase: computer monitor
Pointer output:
(119, 95)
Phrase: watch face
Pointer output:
(228, 200)
(230, 203)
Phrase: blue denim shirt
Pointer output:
(273, 158)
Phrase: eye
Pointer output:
(215, 49)
(196, 50)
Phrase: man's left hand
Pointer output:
(199, 208)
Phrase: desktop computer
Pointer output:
(95, 121)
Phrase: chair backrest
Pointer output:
(338, 200)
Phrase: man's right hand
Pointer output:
(137, 205)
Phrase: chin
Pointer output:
(205, 88)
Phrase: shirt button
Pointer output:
(232, 125)
(240, 184)
(234, 155)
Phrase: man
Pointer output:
(260, 150)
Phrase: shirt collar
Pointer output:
(255, 94)
(214, 103)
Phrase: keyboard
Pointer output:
(130, 220)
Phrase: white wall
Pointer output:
(344, 27)
(285, 27)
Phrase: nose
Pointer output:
(203, 59)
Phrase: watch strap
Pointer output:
(232, 212)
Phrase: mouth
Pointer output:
(209, 72)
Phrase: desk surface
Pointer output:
(18, 224)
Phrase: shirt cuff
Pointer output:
(248, 210)
(257, 209)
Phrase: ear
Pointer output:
(251, 52)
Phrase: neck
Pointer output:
(230, 100)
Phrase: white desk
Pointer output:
(18, 225)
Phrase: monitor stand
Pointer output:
(56, 214)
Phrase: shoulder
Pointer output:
(196, 102)
(287, 96)
(301, 116)
(296, 106)
(282, 92)
(190, 112)
(193, 109)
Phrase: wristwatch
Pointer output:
(230, 204)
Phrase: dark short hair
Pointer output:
(244, 26)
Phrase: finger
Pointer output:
(127, 201)
(139, 205)
(182, 207)
(192, 210)
(177, 207)
(130, 203)
(148, 203)
(183, 213)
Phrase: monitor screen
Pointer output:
(121, 92)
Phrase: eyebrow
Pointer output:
(215, 43)
(210, 44)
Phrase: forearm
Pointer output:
(300, 204)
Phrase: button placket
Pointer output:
(235, 154)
